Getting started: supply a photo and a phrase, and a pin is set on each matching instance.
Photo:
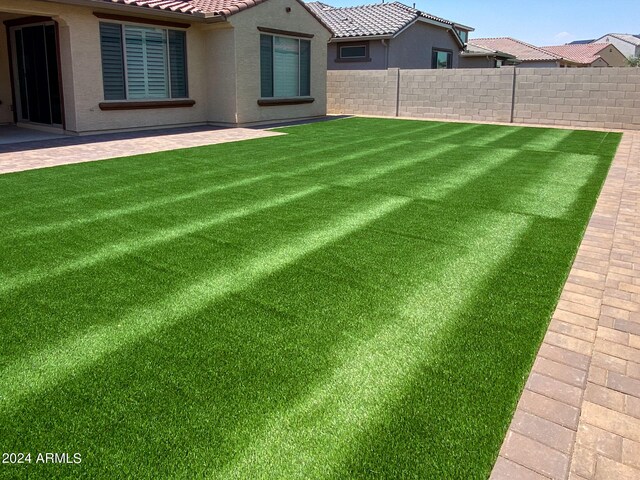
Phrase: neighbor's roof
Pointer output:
(626, 37)
(476, 50)
(521, 50)
(582, 42)
(584, 54)
(378, 19)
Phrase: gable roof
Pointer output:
(521, 50)
(625, 37)
(380, 19)
(583, 54)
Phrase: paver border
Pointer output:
(579, 414)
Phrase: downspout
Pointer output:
(385, 43)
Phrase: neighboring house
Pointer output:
(527, 55)
(476, 56)
(590, 55)
(628, 44)
(390, 35)
(97, 65)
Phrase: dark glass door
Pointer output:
(37, 71)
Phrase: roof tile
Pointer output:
(584, 54)
(370, 20)
(521, 50)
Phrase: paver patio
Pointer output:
(579, 415)
(50, 153)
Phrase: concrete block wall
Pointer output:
(589, 97)
(362, 92)
(582, 97)
(469, 94)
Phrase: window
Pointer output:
(464, 35)
(442, 59)
(353, 51)
(499, 63)
(285, 67)
(141, 63)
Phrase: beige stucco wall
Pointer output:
(6, 115)
(613, 57)
(272, 14)
(221, 74)
(84, 45)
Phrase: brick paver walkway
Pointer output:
(579, 415)
(49, 153)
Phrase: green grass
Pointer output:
(360, 298)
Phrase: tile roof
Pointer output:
(475, 50)
(371, 20)
(521, 50)
(584, 54)
(193, 7)
(633, 39)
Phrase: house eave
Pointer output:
(134, 10)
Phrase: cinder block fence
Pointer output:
(585, 97)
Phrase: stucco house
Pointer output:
(83, 66)
(627, 43)
(390, 35)
(590, 55)
(527, 55)
(567, 56)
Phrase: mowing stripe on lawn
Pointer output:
(547, 141)
(172, 199)
(313, 436)
(129, 246)
(45, 369)
(219, 171)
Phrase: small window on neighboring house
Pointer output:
(499, 63)
(285, 67)
(141, 63)
(353, 51)
(464, 36)
(442, 59)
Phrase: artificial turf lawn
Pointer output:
(361, 298)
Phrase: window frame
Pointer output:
(365, 58)
(165, 32)
(434, 59)
(300, 37)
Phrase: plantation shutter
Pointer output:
(266, 66)
(146, 50)
(112, 61)
(286, 67)
(305, 67)
(178, 64)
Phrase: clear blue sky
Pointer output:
(541, 22)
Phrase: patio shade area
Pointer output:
(360, 298)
